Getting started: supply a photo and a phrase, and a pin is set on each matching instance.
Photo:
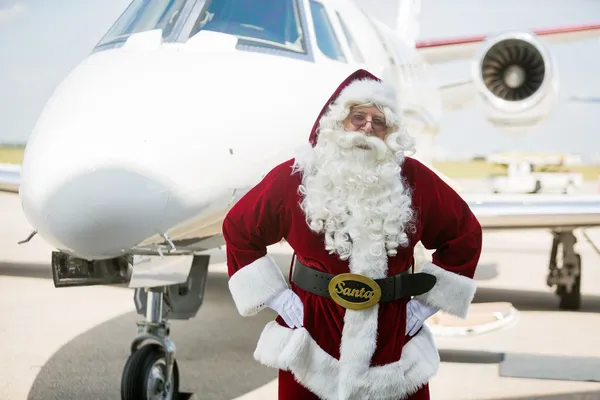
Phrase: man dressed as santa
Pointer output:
(353, 205)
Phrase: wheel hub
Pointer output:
(156, 387)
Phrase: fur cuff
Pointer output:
(255, 284)
(452, 293)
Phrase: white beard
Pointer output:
(354, 195)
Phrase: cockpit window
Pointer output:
(142, 16)
(270, 23)
(351, 42)
(326, 37)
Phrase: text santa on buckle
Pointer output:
(353, 205)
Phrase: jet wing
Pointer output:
(529, 211)
(457, 95)
(10, 177)
(584, 99)
(461, 48)
(461, 94)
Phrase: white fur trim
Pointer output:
(296, 351)
(255, 284)
(364, 90)
(359, 335)
(351, 377)
(452, 293)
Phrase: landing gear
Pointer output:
(565, 270)
(169, 286)
(151, 372)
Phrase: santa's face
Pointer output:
(368, 120)
(353, 192)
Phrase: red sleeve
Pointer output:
(450, 227)
(256, 221)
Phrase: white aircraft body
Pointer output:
(185, 105)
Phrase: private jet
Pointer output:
(143, 148)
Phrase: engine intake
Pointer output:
(516, 78)
(513, 70)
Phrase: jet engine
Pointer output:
(516, 81)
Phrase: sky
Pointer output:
(41, 41)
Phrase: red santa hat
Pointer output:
(359, 87)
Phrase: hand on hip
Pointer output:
(289, 306)
(416, 315)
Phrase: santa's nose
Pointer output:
(368, 126)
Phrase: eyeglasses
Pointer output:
(377, 124)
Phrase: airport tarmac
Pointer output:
(72, 343)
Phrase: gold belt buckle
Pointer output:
(354, 291)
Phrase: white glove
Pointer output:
(289, 306)
(416, 314)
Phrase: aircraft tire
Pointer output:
(140, 370)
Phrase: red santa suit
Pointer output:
(340, 353)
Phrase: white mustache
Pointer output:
(350, 140)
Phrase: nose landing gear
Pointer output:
(151, 371)
(170, 286)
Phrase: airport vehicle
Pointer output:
(521, 177)
(147, 143)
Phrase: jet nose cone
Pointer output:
(100, 212)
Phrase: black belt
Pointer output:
(357, 292)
